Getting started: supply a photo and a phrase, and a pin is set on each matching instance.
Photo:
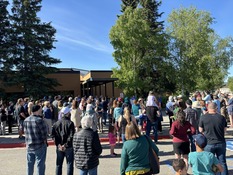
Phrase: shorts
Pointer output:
(21, 128)
(181, 147)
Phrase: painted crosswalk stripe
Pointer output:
(229, 145)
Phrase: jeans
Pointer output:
(123, 138)
(105, 117)
(154, 126)
(38, 156)
(88, 172)
(219, 150)
(68, 153)
(191, 140)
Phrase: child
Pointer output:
(112, 139)
(179, 166)
(203, 162)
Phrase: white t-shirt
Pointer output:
(151, 101)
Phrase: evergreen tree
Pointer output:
(5, 31)
(129, 3)
(33, 40)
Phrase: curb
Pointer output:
(51, 143)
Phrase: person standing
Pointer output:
(87, 148)
(169, 109)
(21, 116)
(180, 136)
(229, 104)
(213, 126)
(10, 110)
(3, 118)
(75, 115)
(35, 131)
(48, 115)
(105, 109)
(62, 133)
(134, 155)
(191, 117)
(152, 112)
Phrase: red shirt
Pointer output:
(179, 132)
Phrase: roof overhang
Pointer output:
(92, 82)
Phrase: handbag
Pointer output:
(153, 159)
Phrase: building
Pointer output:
(77, 82)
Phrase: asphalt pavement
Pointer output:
(13, 157)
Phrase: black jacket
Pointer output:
(63, 132)
(87, 148)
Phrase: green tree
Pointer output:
(230, 83)
(129, 3)
(5, 44)
(137, 51)
(33, 40)
(200, 57)
(5, 31)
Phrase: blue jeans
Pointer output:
(68, 153)
(104, 117)
(38, 156)
(154, 126)
(123, 138)
(88, 172)
(219, 150)
(191, 140)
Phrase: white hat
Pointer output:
(179, 96)
(65, 110)
(170, 98)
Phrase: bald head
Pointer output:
(212, 107)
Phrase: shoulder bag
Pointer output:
(153, 159)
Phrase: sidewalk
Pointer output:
(12, 141)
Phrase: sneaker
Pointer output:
(21, 137)
(113, 155)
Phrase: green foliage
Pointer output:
(5, 45)
(32, 41)
(140, 49)
(200, 57)
(129, 3)
(230, 83)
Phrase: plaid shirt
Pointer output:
(35, 131)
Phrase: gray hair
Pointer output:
(86, 122)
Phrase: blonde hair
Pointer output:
(46, 103)
(132, 131)
(30, 105)
(127, 114)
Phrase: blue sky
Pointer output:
(83, 27)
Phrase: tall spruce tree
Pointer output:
(33, 40)
(129, 3)
(156, 67)
(5, 31)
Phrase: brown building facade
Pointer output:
(78, 82)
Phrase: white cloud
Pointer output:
(95, 45)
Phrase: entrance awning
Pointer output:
(93, 82)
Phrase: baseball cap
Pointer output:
(65, 110)
(200, 140)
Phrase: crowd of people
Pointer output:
(197, 126)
